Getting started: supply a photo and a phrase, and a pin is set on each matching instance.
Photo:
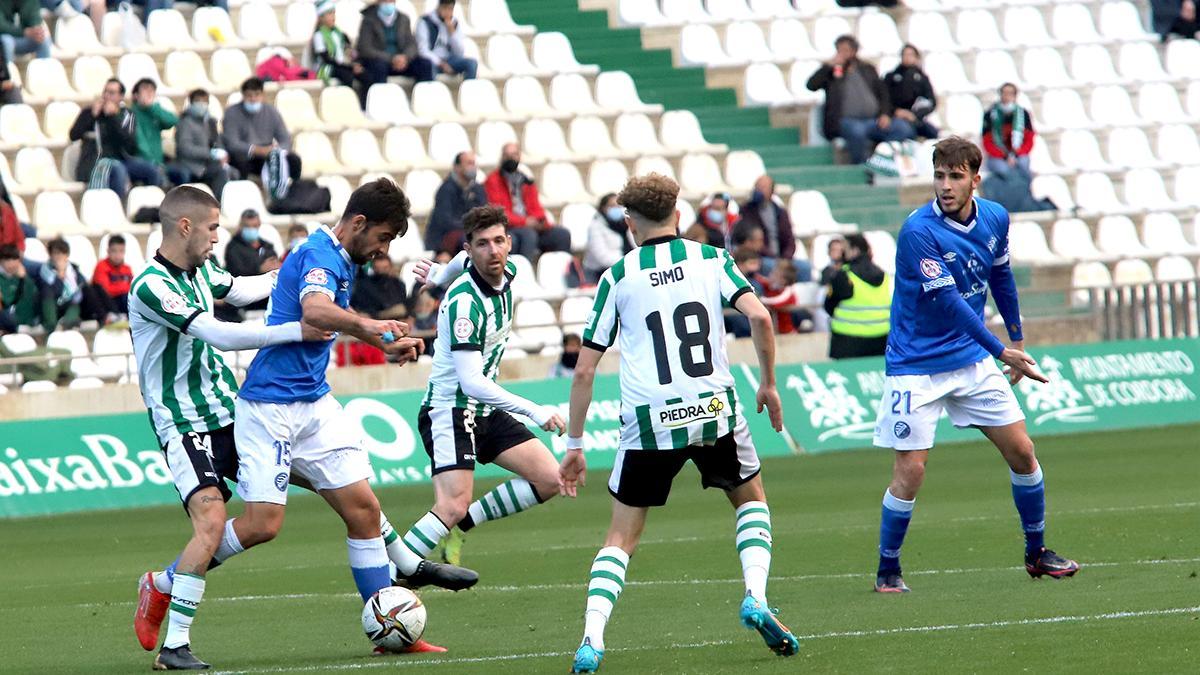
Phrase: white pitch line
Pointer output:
(405, 663)
(580, 585)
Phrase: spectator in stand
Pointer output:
(767, 214)
(150, 121)
(11, 233)
(108, 130)
(748, 237)
(61, 288)
(439, 41)
(297, 234)
(18, 291)
(857, 106)
(256, 138)
(565, 367)
(386, 46)
(424, 317)
(608, 238)
(199, 154)
(859, 302)
(332, 56)
(1174, 17)
(22, 30)
(459, 193)
(112, 278)
(718, 218)
(749, 263)
(10, 91)
(513, 190)
(378, 291)
(837, 253)
(247, 253)
(65, 9)
(779, 296)
(1007, 135)
(912, 93)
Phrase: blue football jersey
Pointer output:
(295, 371)
(935, 253)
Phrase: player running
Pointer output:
(939, 357)
(465, 416)
(189, 393)
(664, 301)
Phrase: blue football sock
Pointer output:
(369, 565)
(892, 527)
(170, 570)
(1029, 494)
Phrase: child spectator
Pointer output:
(18, 292)
(61, 288)
(113, 278)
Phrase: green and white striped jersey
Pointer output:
(664, 302)
(473, 315)
(184, 382)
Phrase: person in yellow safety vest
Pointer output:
(859, 303)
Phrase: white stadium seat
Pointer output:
(764, 85)
(1044, 67)
(700, 45)
(1131, 272)
(167, 28)
(634, 132)
(524, 96)
(1027, 242)
(420, 186)
(47, 78)
(1144, 190)
(490, 138)
(810, 214)
(878, 34)
(102, 211)
(728, 10)
(59, 117)
(1163, 235)
(552, 52)
(358, 147)
(1183, 59)
(1159, 102)
(639, 13)
(701, 175)
(788, 39)
(447, 139)
(297, 109)
(684, 11)
(1071, 239)
(229, 67)
(571, 92)
(995, 67)
(1079, 150)
(506, 55)
(479, 99)
(552, 275)
(319, 156)
(1122, 21)
(1128, 146)
(562, 184)
(1094, 192)
(340, 109)
(742, 168)
(1186, 179)
(947, 70)
(1025, 27)
(1117, 235)
(615, 90)
(83, 254)
(1139, 61)
(827, 29)
(589, 137)
(1062, 109)
(387, 102)
(258, 23)
(432, 100)
(680, 130)
(1072, 22)
(544, 140)
(607, 175)
(977, 28)
(745, 41)
(1092, 64)
(654, 164)
(1174, 268)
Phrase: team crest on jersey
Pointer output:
(316, 276)
(931, 268)
(174, 303)
(678, 415)
(902, 430)
(463, 328)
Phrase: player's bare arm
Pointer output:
(762, 333)
(321, 313)
(572, 471)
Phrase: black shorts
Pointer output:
(642, 478)
(457, 438)
(200, 459)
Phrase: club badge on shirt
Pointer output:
(316, 276)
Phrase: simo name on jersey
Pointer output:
(666, 276)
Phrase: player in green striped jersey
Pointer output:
(465, 417)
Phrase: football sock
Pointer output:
(369, 565)
(165, 579)
(892, 527)
(229, 547)
(186, 593)
(754, 546)
(405, 560)
(604, 587)
(507, 499)
(1029, 494)
(424, 536)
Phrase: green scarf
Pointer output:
(335, 48)
(996, 120)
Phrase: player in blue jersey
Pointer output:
(287, 420)
(940, 356)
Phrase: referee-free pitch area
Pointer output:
(1126, 505)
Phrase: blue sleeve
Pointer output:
(317, 275)
(918, 257)
(1004, 288)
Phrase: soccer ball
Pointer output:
(394, 618)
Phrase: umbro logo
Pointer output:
(949, 257)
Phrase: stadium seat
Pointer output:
(946, 69)
(577, 218)
(764, 85)
(745, 42)
(230, 67)
(589, 138)
(963, 114)
(59, 117)
(73, 341)
(607, 175)
(490, 138)
(135, 66)
(615, 90)
(680, 130)
(1027, 242)
(1044, 67)
(358, 147)
(240, 195)
(1079, 150)
(1132, 272)
(995, 67)
(19, 128)
(404, 147)
(562, 184)
(77, 35)
(340, 109)
(166, 28)
(388, 103)
(639, 13)
(210, 22)
(883, 249)
(825, 30)
(506, 55)
(1163, 235)
(788, 40)
(339, 193)
(570, 92)
(1186, 180)
(524, 96)
(1094, 192)
(654, 164)
(102, 211)
(1040, 160)
(258, 23)
(930, 32)
(184, 71)
(479, 99)
(1116, 235)
(1144, 190)
(728, 10)
(685, 11)
(635, 133)
(1128, 146)
(1072, 22)
(552, 269)
(54, 213)
(409, 246)
(878, 34)
(1091, 64)
(35, 250)
(1122, 21)
(1062, 109)
(421, 186)
(1071, 239)
(1025, 27)
(1139, 62)
(810, 214)
(544, 141)
(432, 100)
(133, 251)
(112, 350)
(47, 79)
(142, 196)
(1174, 268)
(83, 254)
(86, 383)
(536, 325)
(495, 16)
(153, 241)
(299, 20)
(447, 139)
(977, 28)
(573, 314)
(687, 212)
(1159, 102)
(1089, 276)
(700, 175)
(525, 285)
(318, 154)
(1182, 59)
(39, 386)
(742, 168)
(298, 112)
(700, 45)
(769, 9)
(552, 53)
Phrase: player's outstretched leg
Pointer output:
(408, 552)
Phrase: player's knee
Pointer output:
(362, 522)
(546, 486)
(452, 509)
(1022, 459)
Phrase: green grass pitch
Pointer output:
(1126, 505)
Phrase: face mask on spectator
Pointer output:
(470, 174)
(1008, 107)
(250, 234)
(757, 196)
(614, 214)
(509, 165)
(253, 108)
(387, 9)
(716, 215)
(198, 109)
(569, 359)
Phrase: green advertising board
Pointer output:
(113, 461)
(1093, 387)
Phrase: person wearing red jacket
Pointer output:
(513, 190)
(113, 277)
(1007, 135)
(10, 227)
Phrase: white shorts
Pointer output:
(313, 439)
(977, 395)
